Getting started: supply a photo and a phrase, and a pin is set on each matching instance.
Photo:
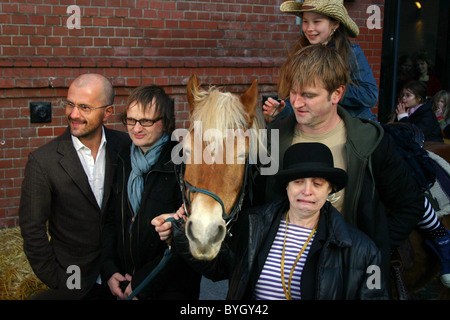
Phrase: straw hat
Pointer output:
(331, 8)
(309, 160)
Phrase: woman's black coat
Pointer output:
(336, 267)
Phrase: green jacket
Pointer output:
(381, 198)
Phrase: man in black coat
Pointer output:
(66, 185)
(145, 186)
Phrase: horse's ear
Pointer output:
(192, 88)
(249, 99)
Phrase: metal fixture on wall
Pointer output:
(40, 112)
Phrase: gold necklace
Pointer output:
(287, 292)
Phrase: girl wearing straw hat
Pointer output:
(327, 22)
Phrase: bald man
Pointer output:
(65, 189)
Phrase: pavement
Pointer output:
(210, 290)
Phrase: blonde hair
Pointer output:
(223, 111)
(311, 64)
(444, 95)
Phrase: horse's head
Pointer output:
(217, 150)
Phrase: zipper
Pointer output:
(131, 254)
(359, 183)
(122, 204)
(133, 219)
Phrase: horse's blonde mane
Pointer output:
(223, 111)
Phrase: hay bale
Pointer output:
(17, 279)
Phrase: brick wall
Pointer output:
(133, 42)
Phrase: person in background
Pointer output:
(413, 107)
(328, 23)
(425, 74)
(406, 72)
(145, 186)
(441, 108)
(66, 186)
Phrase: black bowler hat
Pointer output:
(309, 160)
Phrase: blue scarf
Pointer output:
(140, 165)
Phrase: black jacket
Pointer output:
(426, 120)
(56, 194)
(135, 247)
(336, 267)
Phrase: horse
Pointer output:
(224, 135)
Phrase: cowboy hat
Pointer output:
(331, 8)
(309, 160)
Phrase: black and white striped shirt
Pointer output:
(269, 285)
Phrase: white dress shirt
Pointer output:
(94, 168)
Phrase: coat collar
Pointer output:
(71, 164)
(333, 226)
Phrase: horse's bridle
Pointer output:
(186, 194)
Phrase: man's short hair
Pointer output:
(310, 64)
(88, 79)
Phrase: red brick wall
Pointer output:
(370, 40)
(134, 42)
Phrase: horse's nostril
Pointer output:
(220, 234)
(189, 233)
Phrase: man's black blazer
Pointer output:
(56, 196)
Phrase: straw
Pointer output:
(17, 279)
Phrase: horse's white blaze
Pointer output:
(205, 228)
(214, 116)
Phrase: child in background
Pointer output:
(441, 104)
(413, 107)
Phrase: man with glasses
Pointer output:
(145, 187)
(65, 189)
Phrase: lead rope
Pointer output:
(166, 257)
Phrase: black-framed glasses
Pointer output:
(142, 122)
(81, 107)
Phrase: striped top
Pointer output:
(269, 285)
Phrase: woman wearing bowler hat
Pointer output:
(299, 246)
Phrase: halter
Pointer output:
(192, 189)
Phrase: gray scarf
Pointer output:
(140, 165)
